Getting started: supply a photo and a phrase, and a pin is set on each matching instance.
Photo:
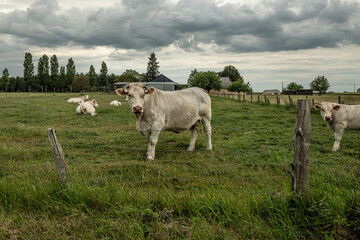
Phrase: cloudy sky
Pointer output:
(270, 42)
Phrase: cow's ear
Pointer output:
(336, 107)
(151, 90)
(120, 91)
(317, 107)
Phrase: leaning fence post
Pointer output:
(58, 157)
(301, 164)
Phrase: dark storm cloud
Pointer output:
(139, 24)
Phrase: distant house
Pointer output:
(271, 92)
(161, 82)
(298, 92)
(225, 82)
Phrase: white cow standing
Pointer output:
(87, 107)
(339, 117)
(176, 111)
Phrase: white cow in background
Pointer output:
(78, 99)
(87, 108)
(115, 103)
(339, 117)
(175, 111)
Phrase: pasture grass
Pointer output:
(240, 190)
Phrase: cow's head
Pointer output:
(327, 109)
(94, 103)
(136, 96)
(85, 97)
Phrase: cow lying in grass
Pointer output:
(87, 108)
(339, 117)
(115, 103)
(176, 111)
(78, 99)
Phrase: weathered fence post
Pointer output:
(258, 98)
(339, 100)
(291, 101)
(313, 102)
(251, 97)
(58, 157)
(301, 164)
(244, 97)
(277, 99)
(265, 99)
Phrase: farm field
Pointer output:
(240, 190)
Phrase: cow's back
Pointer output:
(177, 110)
(349, 115)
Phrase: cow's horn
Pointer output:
(125, 89)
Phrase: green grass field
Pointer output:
(240, 190)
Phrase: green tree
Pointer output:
(92, 76)
(70, 72)
(231, 72)
(129, 76)
(294, 86)
(54, 70)
(29, 77)
(43, 71)
(240, 86)
(320, 84)
(81, 83)
(103, 80)
(191, 77)
(5, 80)
(152, 68)
(62, 78)
(207, 80)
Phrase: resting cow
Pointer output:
(339, 117)
(176, 111)
(78, 99)
(115, 103)
(87, 108)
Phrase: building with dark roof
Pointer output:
(161, 82)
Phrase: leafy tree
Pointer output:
(240, 86)
(129, 76)
(191, 77)
(207, 80)
(62, 78)
(29, 71)
(231, 72)
(294, 86)
(320, 84)
(43, 71)
(54, 70)
(111, 79)
(92, 76)
(81, 83)
(17, 84)
(70, 72)
(103, 80)
(152, 68)
(5, 80)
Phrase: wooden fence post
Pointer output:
(244, 96)
(277, 99)
(258, 98)
(58, 157)
(291, 101)
(339, 100)
(265, 99)
(301, 164)
(251, 97)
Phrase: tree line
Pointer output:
(51, 77)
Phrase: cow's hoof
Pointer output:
(149, 159)
(190, 149)
(335, 149)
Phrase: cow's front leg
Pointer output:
(152, 140)
(338, 136)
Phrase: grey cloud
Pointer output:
(140, 24)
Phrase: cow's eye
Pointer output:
(129, 95)
(143, 95)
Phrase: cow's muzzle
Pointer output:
(327, 118)
(137, 110)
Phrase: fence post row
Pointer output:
(301, 164)
(58, 157)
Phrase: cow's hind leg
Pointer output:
(207, 128)
(194, 133)
(152, 140)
